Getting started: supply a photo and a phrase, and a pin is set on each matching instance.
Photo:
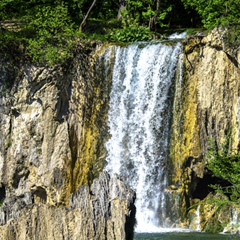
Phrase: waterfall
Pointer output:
(198, 218)
(140, 122)
(233, 225)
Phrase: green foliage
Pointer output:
(147, 13)
(100, 29)
(226, 166)
(132, 33)
(192, 31)
(216, 13)
(39, 150)
(44, 27)
(213, 226)
(8, 144)
(106, 10)
(10, 9)
(48, 29)
(54, 35)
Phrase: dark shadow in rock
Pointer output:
(40, 195)
(2, 193)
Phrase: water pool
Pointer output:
(184, 236)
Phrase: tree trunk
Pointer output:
(153, 20)
(122, 7)
(86, 16)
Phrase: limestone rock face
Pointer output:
(49, 123)
(53, 129)
(212, 217)
(103, 211)
(35, 143)
(206, 107)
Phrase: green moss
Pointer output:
(39, 150)
(215, 213)
(213, 226)
(8, 144)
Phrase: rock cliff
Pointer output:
(53, 129)
(103, 211)
(53, 124)
(206, 107)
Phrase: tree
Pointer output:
(46, 26)
(121, 8)
(155, 14)
(216, 13)
(53, 34)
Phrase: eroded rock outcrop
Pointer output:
(213, 216)
(206, 108)
(50, 122)
(103, 211)
(53, 129)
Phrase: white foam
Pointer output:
(152, 229)
(177, 36)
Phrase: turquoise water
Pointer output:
(183, 236)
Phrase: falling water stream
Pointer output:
(139, 121)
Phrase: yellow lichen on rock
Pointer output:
(206, 107)
(86, 167)
(186, 142)
(92, 109)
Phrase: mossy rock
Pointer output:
(213, 226)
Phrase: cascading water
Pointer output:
(234, 222)
(139, 122)
(198, 218)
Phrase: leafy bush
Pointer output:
(226, 166)
(132, 33)
(54, 35)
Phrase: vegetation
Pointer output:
(48, 30)
(216, 13)
(225, 166)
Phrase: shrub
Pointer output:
(132, 33)
(226, 166)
